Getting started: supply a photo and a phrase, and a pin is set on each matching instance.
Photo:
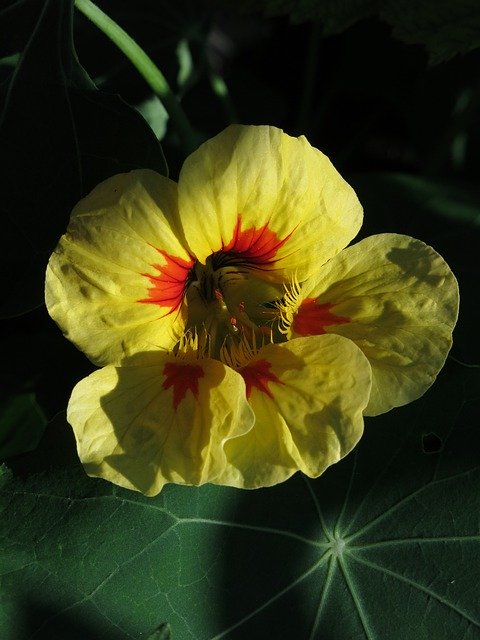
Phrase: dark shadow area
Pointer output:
(258, 566)
(39, 621)
(57, 450)
(431, 443)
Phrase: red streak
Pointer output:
(169, 286)
(258, 375)
(255, 247)
(312, 318)
(183, 378)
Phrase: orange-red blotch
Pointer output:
(257, 374)
(182, 377)
(312, 318)
(168, 288)
(255, 247)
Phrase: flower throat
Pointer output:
(218, 312)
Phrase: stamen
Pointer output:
(288, 305)
(237, 354)
(192, 345)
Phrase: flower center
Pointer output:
(216, 307)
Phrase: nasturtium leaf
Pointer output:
(21, 424)
(59, 137)
(385, 545)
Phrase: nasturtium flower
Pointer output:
(240, 340)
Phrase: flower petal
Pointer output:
(158, 419)
(397, 299)
(116, 280)
(271, 200)
(308, 396)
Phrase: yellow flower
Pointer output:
(208, 304)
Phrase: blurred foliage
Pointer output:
(405, 134)
(59, 137)
(444, 27)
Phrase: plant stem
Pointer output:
(147, 68)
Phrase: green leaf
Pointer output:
(385, 545)
(59, 137)
(21, 425)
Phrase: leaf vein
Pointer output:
(416, 585)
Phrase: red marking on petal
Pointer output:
(183, 378)
(312, 318)
(169, 286)
(254, 247)
(258, 375)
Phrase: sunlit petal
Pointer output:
(271, 200)
(158, 419)
(308, 396)
(116, 280)
(397, 299)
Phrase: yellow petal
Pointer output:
(308, 396)
(115, 282)
(397, 299)
(158, 419)
(273, 201)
